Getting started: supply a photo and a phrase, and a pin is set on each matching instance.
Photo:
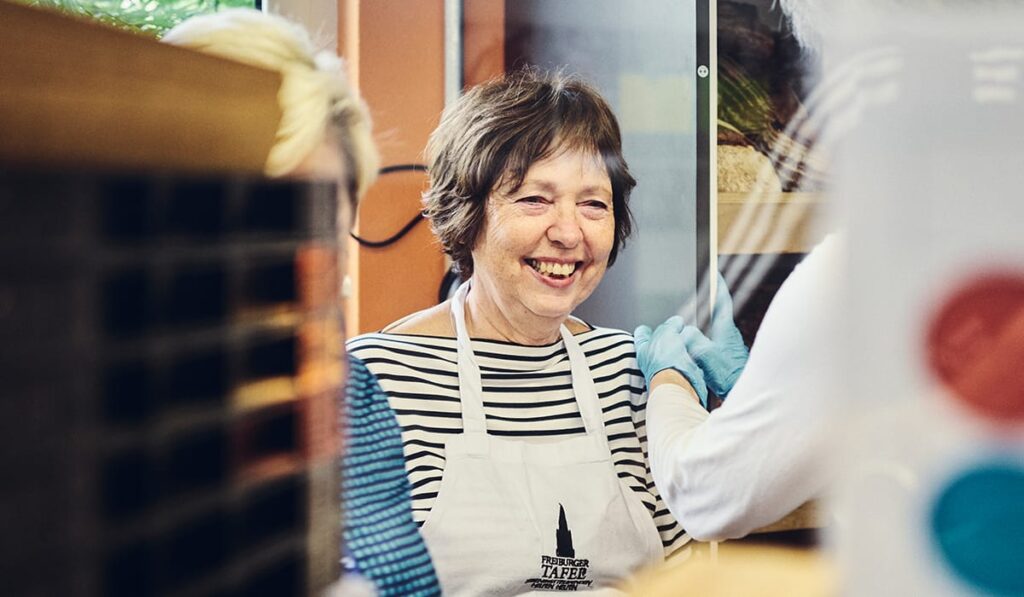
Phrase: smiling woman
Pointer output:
(492, 137)
(522, 426)
(543, 248)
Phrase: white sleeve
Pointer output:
(755, 458)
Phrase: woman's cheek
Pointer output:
(606, 233)
(596, 214)
(531, 209)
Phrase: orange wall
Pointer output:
(396, 53)
(483, 40)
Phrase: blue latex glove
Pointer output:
(723, 356)
(665, 348)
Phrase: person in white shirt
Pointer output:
(756, 458)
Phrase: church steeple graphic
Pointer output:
(563, 537)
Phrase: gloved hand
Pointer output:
(722, 356)
(665, 348)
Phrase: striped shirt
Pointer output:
(527, 394)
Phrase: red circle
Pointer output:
(976, 345)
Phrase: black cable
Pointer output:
(451, 278)
(449, 281)
(377, 244)
(402, 168)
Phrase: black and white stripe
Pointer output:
(527, 395)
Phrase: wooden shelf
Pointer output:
(767, 222)
(81, 94)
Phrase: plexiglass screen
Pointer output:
(643, 61)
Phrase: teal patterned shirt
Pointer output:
(380, 540)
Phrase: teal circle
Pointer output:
(978, 524)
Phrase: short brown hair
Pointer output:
(493, 134)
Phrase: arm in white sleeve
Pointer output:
(756, 458)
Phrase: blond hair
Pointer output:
(315, 96)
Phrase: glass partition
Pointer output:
(645, 62)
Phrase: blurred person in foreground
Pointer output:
(762, 453)
(324, 134)
(523, 426)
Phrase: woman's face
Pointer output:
(544, 247)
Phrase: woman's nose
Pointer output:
(565, 229)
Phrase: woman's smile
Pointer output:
(556, 273)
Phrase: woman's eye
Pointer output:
(596, 204)
(532, 200)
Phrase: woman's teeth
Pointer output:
(551, 269)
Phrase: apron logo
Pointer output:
(562, 571)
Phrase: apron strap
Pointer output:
(584, 389)
(471, 389)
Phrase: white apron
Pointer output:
(514, 517)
